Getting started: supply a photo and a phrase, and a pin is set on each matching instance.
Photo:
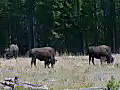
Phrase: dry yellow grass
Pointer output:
(69, 72)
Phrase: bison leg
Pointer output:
(89, 59)
(52, 65)
(47, 63)
(33, 61)
(15, 55)
(108, 60)
(93, 60)
(101, 60)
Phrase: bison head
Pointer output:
(55, 60)
(110, 60)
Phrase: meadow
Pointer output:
(69, 72)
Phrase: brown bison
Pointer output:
(46, 54)
(99, 52)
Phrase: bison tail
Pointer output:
(29, 53)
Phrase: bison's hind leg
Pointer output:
(48, 65)
(89, 59)
(33, 61)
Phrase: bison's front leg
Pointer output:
(93, 60)
(52, 65)
(46, 63)
(108, 60)
(15, 54)
(33, 61)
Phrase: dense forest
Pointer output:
(67, 25)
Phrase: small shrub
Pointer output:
(113, 84)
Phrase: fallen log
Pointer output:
(14, 83)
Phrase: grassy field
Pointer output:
(70, 72)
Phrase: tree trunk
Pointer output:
(31, 27)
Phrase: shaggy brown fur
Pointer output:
(46, 54)
(99, 52)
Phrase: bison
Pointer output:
(13, 51)
(99, 52)
(46, 54)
